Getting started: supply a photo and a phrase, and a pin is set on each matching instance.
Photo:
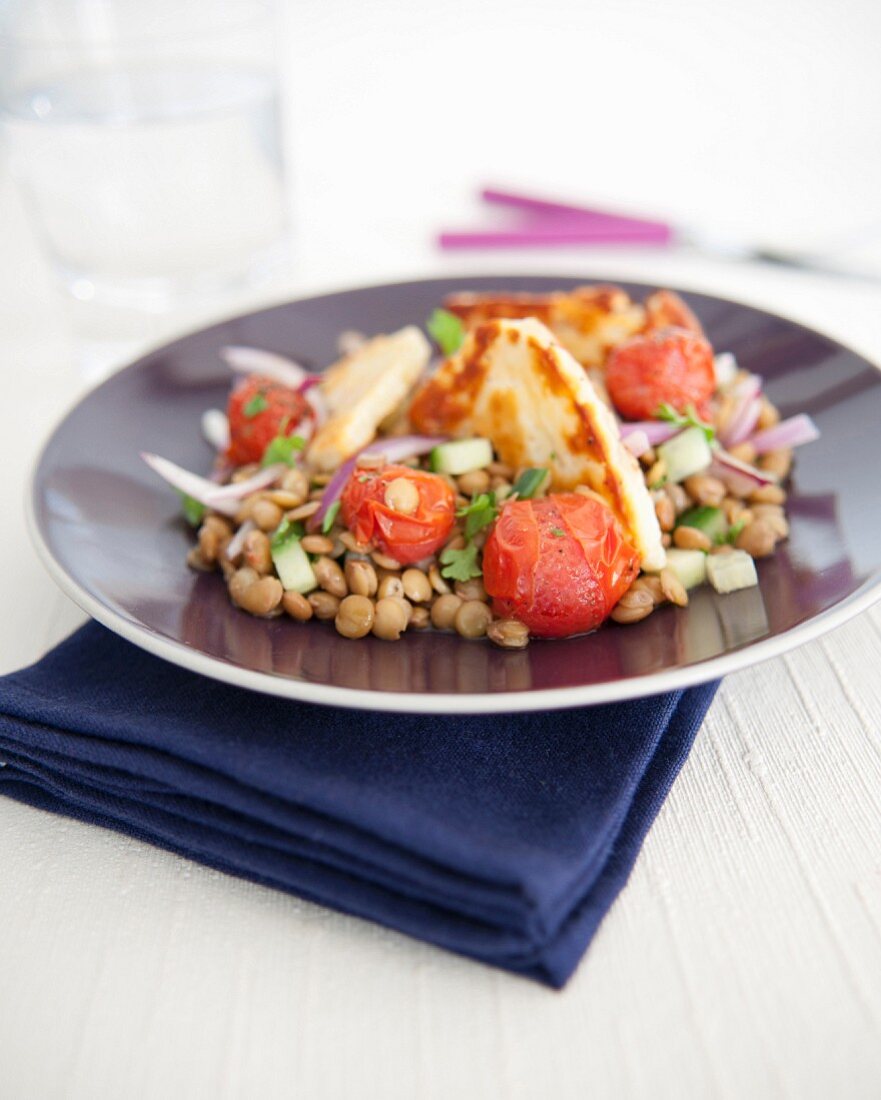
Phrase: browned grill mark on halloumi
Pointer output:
(513, 383)
(587, 321)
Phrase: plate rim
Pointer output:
(524, 700)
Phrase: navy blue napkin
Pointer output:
(505, 838)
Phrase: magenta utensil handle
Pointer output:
(548, 209)
(551, 235)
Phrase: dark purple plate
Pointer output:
(111, 533)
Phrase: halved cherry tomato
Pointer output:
(669, 366)
(559, 565)
(665, 308)
(373, 512)
(260, 409)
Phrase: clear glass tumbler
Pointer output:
(145, 136)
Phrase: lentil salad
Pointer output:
(326, 504)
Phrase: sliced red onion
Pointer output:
(199, 488)
(395, 448)
(350, 341)
(725, 366)
(740, 477)
(739, 429)
(637, 443)
(237, 542)
(316, 402)
(656, 431)
(745, 413)
(236, 490)
(221, 498)
(794, 432)
(215, 428)
(269, 364)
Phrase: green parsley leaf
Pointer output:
(282, 449)
(480, 513)
(689, 420)
(193, 509)
(329, 517)
(529, 483)
(733, 531)
(256, 405)
(446, 330)
(286, 532)
(460, 565)
(558, 532)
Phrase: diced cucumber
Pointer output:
(731, 572)
(291, 561)
(461, 456)
(710, 520)
(685, 454)
(690, 566)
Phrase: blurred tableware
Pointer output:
(145, 138)
(537, 222)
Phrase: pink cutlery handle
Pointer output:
(549, 211)
(553, 233)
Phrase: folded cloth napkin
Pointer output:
(502, 837)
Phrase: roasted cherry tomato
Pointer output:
(671, 366)
(665, 308)
(260, 409)
(559, 565)
(407, 513)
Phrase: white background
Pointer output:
(743, 957)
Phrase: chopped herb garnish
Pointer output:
(363, 479)
(460, 565)
(282, 449)
(286, 532)
(446, 330)
(329, 516)
(689, 419)
(256, 405)
(733, 531)
(529, 483)
(480, 513)
(193, 509)
(558, 532)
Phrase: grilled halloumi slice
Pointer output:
(364, 389)
(515, 384)
(587, 321)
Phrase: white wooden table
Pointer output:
(744, 956)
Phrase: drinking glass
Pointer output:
(145, 137)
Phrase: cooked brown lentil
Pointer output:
(443, 611)
(390, 620)
(324, 605)
(508, 634)
(757, 538)
(297, 606)
(266, 515)
(317, 544)
(690, 538)
(472, 619)
(437, 581)
(417, 586)
(474, 483)
(330, 577)
(355, 616)
(262, 597)
(257, 552)
(361, 577)
(390, 585)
